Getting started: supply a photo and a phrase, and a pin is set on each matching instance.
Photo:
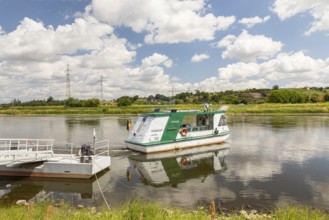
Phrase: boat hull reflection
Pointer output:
(174, 167)
(29, 189)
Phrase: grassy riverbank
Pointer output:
(137, 210)
(307, 108)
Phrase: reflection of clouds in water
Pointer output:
(254, 194)
(320, 192)
(261, 149)
(246, 171)
(190, 193)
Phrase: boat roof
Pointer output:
(158, 113)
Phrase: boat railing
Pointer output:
(13, 148)
(98, 148)
(65, 148)
(102, 148)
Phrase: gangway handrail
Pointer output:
(20, 148)
(25, 147)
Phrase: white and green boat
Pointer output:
(171, 130)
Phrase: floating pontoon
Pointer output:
(41, 158)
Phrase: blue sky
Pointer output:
(153, 46)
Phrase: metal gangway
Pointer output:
(13, 149)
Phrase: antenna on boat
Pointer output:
(206, 106)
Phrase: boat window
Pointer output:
(205, 122)
(141, 124)
(198, 122)
(222, 121)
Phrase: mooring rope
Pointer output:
(99, 186)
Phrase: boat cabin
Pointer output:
(158, 128)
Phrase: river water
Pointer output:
(267, 161)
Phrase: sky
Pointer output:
(145, 47)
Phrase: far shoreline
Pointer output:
(252, 109)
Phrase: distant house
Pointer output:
(251, 97)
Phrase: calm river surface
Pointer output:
(267, 161)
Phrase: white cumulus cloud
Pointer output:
(199, 57)
(290, 69)
(250, 22)
(318, 9)
(157, 59)
(163, 21)
(33, 41)
(248, 47)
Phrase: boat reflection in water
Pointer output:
(174, 167)
(32, 189)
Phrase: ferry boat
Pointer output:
(40, 158)
(171, 130)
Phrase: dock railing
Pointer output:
(13, 148)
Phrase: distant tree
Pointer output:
(286, 96)
(204, 97)
(161, 97)
(72, 102)
(215, 98)
(135, 98)
(230, 99)
(275, 87)
(326, 97)
(50, 99)
(183, 96)
(91, 103)
(124, 101)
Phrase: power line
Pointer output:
(68, 84)
(102, 94)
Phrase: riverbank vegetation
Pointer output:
(267, 108)
(154, 211)
(252, 101)
(249, 96)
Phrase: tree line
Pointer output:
(70, 102)
(249, 96)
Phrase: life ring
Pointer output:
(183, 132)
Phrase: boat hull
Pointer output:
(177, 144)
(62, 168)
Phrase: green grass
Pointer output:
(57, 110)
(309, 108)
(306, 108)
(152, 211)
